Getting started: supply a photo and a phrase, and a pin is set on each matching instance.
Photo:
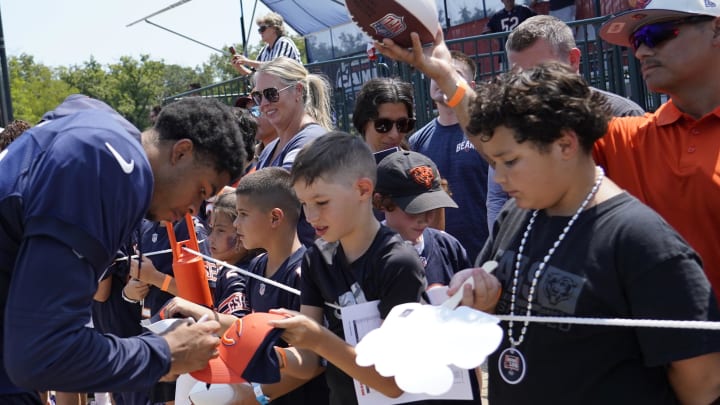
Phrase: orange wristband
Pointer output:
(166, 282)
(282, 355)
(460, 90)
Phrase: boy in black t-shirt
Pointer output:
(355, 260)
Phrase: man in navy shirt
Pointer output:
(445, 143)
(72, 192)
(509, 17)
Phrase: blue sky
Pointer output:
(68, 32)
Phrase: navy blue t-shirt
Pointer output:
(72, 191)
(466, 172)
(505, 20)
(230, 295)
(263, 297)
(443, 256)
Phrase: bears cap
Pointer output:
(412, 181)
(247, 352)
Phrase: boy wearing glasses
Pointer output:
(670, 159)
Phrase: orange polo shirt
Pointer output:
(671, 162)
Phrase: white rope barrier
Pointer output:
(621, 322)
(253, 275)
(150, 254)
(244, 272)
(633, 323)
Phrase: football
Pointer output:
(395, 19)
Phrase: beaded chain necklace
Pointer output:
(512, 363)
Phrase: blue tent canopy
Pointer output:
(329, 33)
(309, 16)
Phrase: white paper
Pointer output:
(360, 319)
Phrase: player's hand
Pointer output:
(180, 307)
(434, 61)
(192, 345)
(300, 331)
(486, 293)
(136, 289)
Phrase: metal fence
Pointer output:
(604, 66)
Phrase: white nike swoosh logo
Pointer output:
(126, 167)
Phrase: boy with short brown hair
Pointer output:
(355, 260)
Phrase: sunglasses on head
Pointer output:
(652, 35)
(271, 94)
(384, 125)
(262, 28)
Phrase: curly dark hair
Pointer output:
(537, 104)
(377, 91)
(211, 126)
(12, 131)
(248, 126)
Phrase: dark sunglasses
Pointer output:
(271, 94)
(384, 125)
(655, 34)
(262, 28)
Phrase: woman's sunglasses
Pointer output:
(384, 125)
(652, 35)
(271, 94)
(262, 28)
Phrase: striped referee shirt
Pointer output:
(283, 46)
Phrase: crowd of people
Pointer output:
(591, 207)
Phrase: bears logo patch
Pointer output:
(422, 175)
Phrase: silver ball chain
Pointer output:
(546, 259)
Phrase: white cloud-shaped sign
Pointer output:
(416, 344)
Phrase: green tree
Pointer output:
(90, 78)
(176, 78)
(135, 86)
(34, 88)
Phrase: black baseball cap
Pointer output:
(412, 181)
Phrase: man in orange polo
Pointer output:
(671, 159)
